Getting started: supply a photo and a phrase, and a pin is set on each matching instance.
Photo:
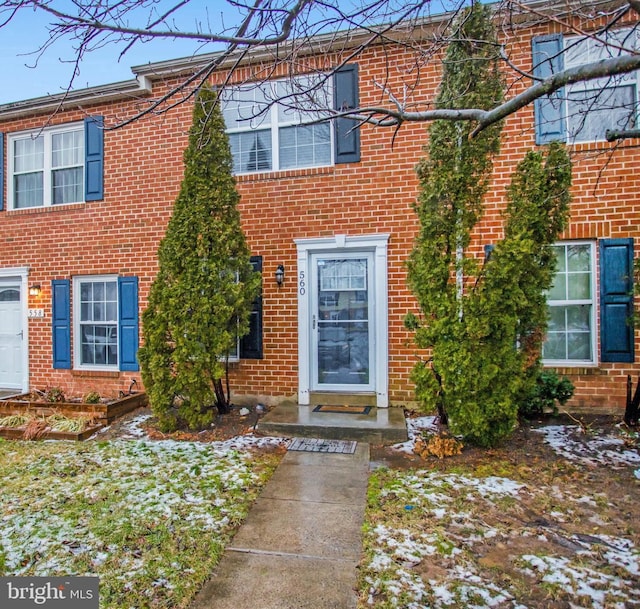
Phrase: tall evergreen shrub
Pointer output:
(481, 321)
(200, 301)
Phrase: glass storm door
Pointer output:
(10, 337)
(341, 322)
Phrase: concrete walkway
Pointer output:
(301, 542)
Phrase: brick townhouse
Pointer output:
(325, 208)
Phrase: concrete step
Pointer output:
(378, 426)
(337, 398)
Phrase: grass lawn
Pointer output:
(150, 519)
(550, 520)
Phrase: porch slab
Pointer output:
(378, 426)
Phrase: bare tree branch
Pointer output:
(289, 37)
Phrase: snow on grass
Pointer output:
(137, 513)
(430, 520)
(591, 448)
(433, 539)
(583, 583)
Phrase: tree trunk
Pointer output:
(443, 418)
(222, 403)
(632, 412)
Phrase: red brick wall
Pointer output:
(143, 167)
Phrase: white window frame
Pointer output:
(272, 122)
(47, 169)
(77, 334)
(592, 301)
(595, 51)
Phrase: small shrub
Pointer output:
(15, 420)
(93, 397)
(54, 395)
(549, 391)
(59, 422)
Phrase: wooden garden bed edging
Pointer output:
(17, 433)
(100, 413)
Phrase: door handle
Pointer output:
(20, 334)
(313, 322)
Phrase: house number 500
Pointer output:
(302, 284)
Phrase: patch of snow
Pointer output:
(415, 426)
(133, 429)
(600, 449)
(601, 588)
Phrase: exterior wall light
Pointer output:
(280, 274)
(34, 289)
(488, 249)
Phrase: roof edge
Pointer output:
(126, 89)
(332, 42)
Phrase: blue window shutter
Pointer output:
(128, 323)
(616, 300)
(61, 323)
(1, 171)
(251, 344)
(549, 110)
(94, 158)
(345, 97)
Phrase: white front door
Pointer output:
(11, 336)
(342, 338)
(342, 316)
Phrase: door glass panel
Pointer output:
(343, 321)
(9, 295)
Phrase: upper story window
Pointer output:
(605, 103)
(584, 111)
(270, 135)
(54, 166)
(47, 167)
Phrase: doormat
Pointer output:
(343, 409)
(315, 445)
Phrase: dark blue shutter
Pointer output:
(549, 110)
(94, 158)
(61, 323)
(128, 323)
(251, 344)
(345, 97)
(1, 171)
(616, 300)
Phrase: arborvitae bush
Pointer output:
(480, 321)
(200, 302)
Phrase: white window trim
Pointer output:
(592, 85)
(595, 330)
(77, 346)
(47, 169)
(274, 127)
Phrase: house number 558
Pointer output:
(302, 284)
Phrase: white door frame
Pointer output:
(380, 331)
(21, 275)
(314, 296)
